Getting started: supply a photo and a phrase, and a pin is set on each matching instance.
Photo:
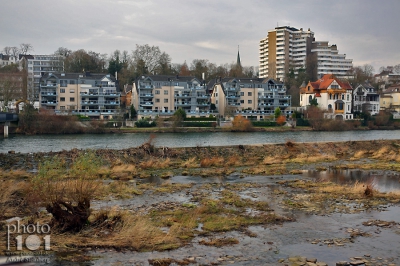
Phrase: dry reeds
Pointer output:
(213, 161)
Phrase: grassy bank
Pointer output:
(103, 176)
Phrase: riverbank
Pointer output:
(242, 204)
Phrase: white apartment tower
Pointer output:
(37, 66)
(330, 61)
(287, 47)
(284, 47)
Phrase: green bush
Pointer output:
(145, 123)
(300, 122)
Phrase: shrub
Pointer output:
(145, 122)
(197, 124)
(240, 123)
(281, 120)
(67, 192)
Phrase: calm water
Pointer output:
(46, 143)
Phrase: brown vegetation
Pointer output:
(240, 123)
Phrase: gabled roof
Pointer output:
(87, 76)
(393, 88)
(326, 81)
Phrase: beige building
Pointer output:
(284, 47)
(163, 95)
(390, 100)
(287, 47)
(93, 95)
(252, 98)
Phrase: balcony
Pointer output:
(49, 103)
(146, 95)
(146, 103)
(182, 96)
(182, 103)
(44, 94)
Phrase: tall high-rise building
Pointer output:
(37, 66)
(284, 47)
(329, 60)
(287, 47)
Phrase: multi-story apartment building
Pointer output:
(332, 95)
(37, 66)
(163, 95)
(93, 95)
(282, 48)
(366, 99)
(287, 47)
(330, 61)
(252, 98)
(390, 100)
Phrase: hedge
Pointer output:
(264, 123)
(197, 124)
(201, 119)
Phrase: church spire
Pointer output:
(238, 59)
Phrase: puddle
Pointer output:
(384, 181)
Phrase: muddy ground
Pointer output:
(291, 204)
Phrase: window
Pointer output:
(72, 81)
(62, 90)
(165, 92)
(249, 101)
(249, 93)
(72, 91)
(348, 97)
(330, 96)
(340, 106)
(62, 99)
(157, 100)
(342, 96)
(309, 99)
(241, 101)
(216, 102)
(157, 91)
(72, 99)
(62, 107)
(165, 100)
(241, 93)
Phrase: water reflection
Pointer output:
(382, 181)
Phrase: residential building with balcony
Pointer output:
(332, 94)
(330, 61)
(288, 47)
(88, 94)
(390, 99)
(250, 97)
(162, 95)
(366, 99)
(283, 48)
(37, 66)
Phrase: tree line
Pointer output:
(147, 60)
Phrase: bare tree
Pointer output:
(7, 50)
(25, 48)
(10, 88)
(150, 56)
(14, 51)
(396, 69)
(63, 52)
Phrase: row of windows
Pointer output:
(165, 92)
(70, 91)
(71, 99)
(158, 100)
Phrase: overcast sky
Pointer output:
(367, 31)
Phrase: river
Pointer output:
(46, 143)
